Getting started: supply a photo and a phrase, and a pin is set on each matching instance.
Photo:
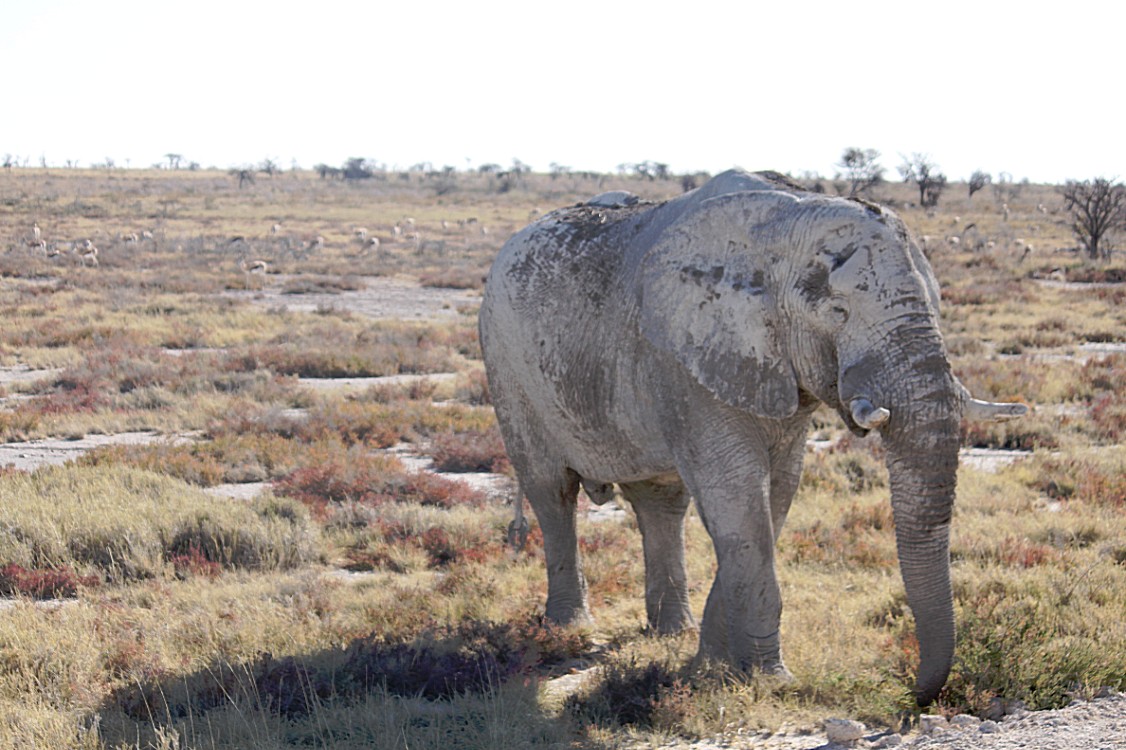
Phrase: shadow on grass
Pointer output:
(473, 685)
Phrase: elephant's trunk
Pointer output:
(925, 402)
(922, 497)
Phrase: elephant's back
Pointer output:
(570, 261)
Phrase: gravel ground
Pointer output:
(1085, 725)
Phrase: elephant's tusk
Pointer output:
(867, 416)
(998, 412)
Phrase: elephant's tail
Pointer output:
(518, 529)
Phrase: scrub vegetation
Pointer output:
(361, 599)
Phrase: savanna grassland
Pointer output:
(354, 599)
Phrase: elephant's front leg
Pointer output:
(660, 509)
(744, 608)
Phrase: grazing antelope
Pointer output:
(251, 269)
(89, 254)
(361, 233)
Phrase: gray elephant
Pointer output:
(678, 349)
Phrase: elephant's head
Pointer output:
(765, 296)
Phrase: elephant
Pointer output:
(677, 350)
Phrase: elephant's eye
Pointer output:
(838, 314)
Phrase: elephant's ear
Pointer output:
(708, 299)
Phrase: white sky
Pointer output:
(1034, 89)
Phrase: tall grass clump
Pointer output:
(122, 524)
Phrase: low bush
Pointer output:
(472, 450)
(371, 480)
(653, 695)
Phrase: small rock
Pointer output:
(996, 709)
(928, 723)
(843, 730)
(989, 727)
(1016, 708)
(891, 740)
(965, 721)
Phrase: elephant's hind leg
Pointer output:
(554, 501)
(660, 510)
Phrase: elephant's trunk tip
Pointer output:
(924, 696)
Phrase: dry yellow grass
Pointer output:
(257, 637)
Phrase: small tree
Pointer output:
(357, 168)
(861, 169)
(1096, 207)
(978, 180)
(245, 175)
(924, 173)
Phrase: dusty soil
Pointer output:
(383, 297)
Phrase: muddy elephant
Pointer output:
(678, 349)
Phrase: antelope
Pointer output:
(251, 269)
(89, 254)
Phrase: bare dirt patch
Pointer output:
(28, 456)
(381, 297)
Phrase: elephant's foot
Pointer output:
(672, 620)
(777, 671)
(567, 614)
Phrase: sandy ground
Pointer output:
(386, 298)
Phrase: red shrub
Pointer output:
(195, 563)
(42, 583)
(372, 480)
(477, 450)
